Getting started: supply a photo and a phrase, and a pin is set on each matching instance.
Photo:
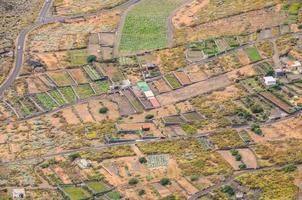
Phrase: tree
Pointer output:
(142, 160)
(289, 168)
(141, 192)
(256, 129)
(256, 108)
(238, 157)
(133, 181)
(74, 156)
(242, 166)
(103, 110)
(228, 189)
(149, 116)
(234, 152)
(91, 58)
(165, 181)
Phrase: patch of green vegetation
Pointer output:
(114, 195)
(145, 26)
(76, 193)
(84, 91)
(253, 54)
(101, 87)
(68, 94)
(57, 96)
(78, 57)
(97, 186)
(192, 159)
(189, 129)
(173, 81)
(46, 101)
(273, 184)
(226, 139)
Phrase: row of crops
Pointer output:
(30, 105)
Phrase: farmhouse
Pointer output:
(19, 193)
(269, 81)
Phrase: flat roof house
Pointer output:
(270, 81)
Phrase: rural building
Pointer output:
(280, 72)
(83, 163)
(19, 193)
(270, 81)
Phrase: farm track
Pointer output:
(43, 19)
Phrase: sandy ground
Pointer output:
(79, 75)
(83, 112)
(186, 15)
(230, 159)
(248, 158)
(70, 116)
(194, 90)
(243, 57)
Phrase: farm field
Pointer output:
(151, 99)
(145, 25)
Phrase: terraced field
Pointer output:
(145, 25)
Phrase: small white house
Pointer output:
(19, 193)
(83, 163)
(270, 81)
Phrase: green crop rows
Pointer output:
(58, 97)
(46, 101)
(92, 73)
(84, 91)
(68, 94)
(146, 25)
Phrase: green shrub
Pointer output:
(91, 58)
(142, 160)
(165, 181)
(74, 156)
(194, 178)
(133, 181)
(234, 152)
(256, 108)
(289, 168)
(141, 192)
(103, 110)
(149, 116)
(242, 166)
(228, 189)
(256, 129)
(238, 157)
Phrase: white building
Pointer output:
(19, 193)
(83, 163)
(270, 81)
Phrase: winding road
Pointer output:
(43, 19)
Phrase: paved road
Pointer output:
(42, 20)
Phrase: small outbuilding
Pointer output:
(270, 81)
(19, 193)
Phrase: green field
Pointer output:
(78, 57)
(97, 187)
(76, 193)
(145, 26)
(57, 96)
(46, 101)
(253, 54)
(100, 86)
(84, 91)
(68, 94)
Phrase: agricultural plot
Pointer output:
(68, 94)
(275, 100)
(172, 81)
(161, 86)
(233, 42)
(155, 161)
(134, 101)
(92, 73)
(5, 112)
(25, 106)
(46, 101)
(61, 78)
(84, 91)
(192, 116)
(112, 71)
(264, 69)
(75, 193)
(97, 187)
(70, 36)
(252, 85)
(58, 97)
(100, 87)
(222, 44)
(78, 57)
(226, 139)
(208, 47)
(145, 26)
(79, 75)
(191, 158)
(206, 143)
(173, 120)
(182, 77)
(253, 54)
